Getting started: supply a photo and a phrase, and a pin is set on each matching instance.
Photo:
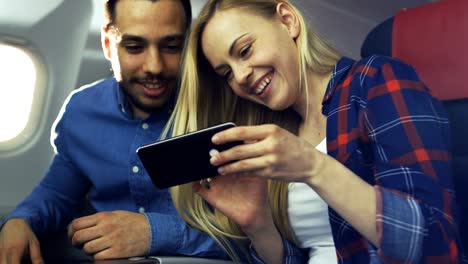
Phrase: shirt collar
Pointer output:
(341, 70)
(121, 99)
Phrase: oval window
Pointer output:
(19, 96)
(17, 83)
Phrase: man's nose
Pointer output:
(154, 63)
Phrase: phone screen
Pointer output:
(184, 158)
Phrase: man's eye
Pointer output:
(134, 48)
(173, 48)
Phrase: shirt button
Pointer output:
(135, 169)
(145, 126)
(141, 210)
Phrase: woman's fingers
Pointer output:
(239, 152)
(258, 166)
(245, 133)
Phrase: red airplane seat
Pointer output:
(434, 39)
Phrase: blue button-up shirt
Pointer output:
(95, 139)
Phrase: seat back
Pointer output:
(434, 39)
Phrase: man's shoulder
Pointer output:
(94, 93)
(97, 87)
(93, 97)
(88, 100)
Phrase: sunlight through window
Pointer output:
(17, 84)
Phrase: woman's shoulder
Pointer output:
(381, 72)
(377, 69)
(379, 62)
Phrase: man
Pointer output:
(95, 138)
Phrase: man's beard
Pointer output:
(133, 99)
(138, 104)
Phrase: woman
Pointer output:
(386, 177)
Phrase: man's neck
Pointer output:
(139, 113)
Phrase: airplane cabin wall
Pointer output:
(59, 39)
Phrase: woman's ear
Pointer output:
(289, 18)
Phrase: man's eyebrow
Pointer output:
(174, 37)
(231, 51)
(128, 37)
(168, 38)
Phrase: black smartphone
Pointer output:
(184, 158)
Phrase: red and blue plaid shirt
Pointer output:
(384, 125)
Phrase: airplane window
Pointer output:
(17, 85)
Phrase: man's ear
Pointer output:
(105, 42)
(289, 18)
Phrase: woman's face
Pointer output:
(257, 57)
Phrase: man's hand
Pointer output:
(16, 240)
(108, 235)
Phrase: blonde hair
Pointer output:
(205, 99)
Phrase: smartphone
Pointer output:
(184, 158)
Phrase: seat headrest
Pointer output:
(434, 39)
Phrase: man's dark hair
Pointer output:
(109, 12)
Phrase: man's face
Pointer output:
(144, 46)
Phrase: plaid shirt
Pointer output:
(383, 124)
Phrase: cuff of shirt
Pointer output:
(164, 235)
(400, 226)
(291, 254)
(18, 215)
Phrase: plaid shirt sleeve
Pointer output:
(407, 132)
(291, 254)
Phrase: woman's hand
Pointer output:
(273, 153)
(242, 199)
(277, 154)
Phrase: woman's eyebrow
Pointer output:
(231, 51)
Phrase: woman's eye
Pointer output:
(245, 51)
(227, 74)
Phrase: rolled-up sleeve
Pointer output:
(170, 235)
(409, 140)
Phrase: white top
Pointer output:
(308, 215)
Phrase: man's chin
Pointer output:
(145, 103)
(154, 106)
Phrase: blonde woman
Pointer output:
(386, 178)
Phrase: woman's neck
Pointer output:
(309, 103)
(309, 107)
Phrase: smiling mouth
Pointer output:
(153, 85)
(263, 84)
(153, 88)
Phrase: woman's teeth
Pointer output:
(263, 85)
